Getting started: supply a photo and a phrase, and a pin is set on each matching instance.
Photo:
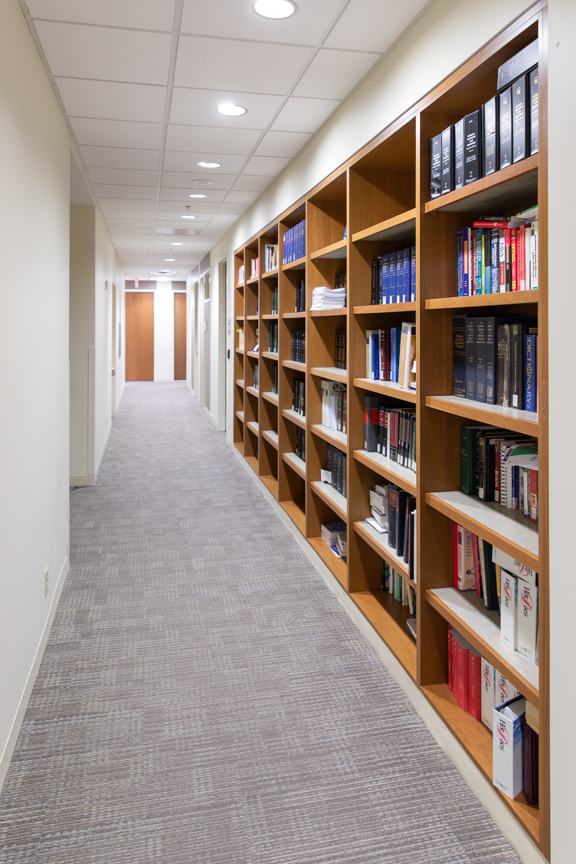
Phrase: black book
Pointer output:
(532, 97)
(519, 120)
(401, 499)
(505, 120)
(517, 366)
(344, 476)
(493, 370)
(410, 506)
(412, 569)
(503, 365)
(490, 130)
(436, 166)
(371, 422)
(491, 598)
(470, 359)
(472, 147)
(480, 352)
(459, 351)
(330, 461)
(448, 160)
(518, 65)
(459, 154)
(374, 292)
(339, 472)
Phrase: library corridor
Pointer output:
(204, 698)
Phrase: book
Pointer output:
(530, 368)
(527, 618)
(520, 126)
(490, 132)
(472, 147)
(448, 160)
(406, 376)
(516, 366)
(507, 755)
(488, 676)
(459, 356)
(464, 578)
(470, 348)
(436, 166)
(508, 608)
(371, 422)
(532, 100)
(530, 763)
(518, 65)
(505, 120)
(459, 154)
(480, 358)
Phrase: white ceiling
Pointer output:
(140, 81)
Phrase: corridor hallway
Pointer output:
(204, 698)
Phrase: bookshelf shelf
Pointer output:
(510, 298)
(515, 187)
(271, 397)
(330, 373)
(379, 542)
(506, 529)
(296, 463)
(334, 250)
(467, 613)
(271, 436)
(388, 309)
(525, 422)
(299, 264)
(335, 564)
(388, 617)
(476, 739)
(380, 199)
(386, 388)
(402, 227)
(330, 496)
(240, 350)
(296, 418)
(338, 439)
(388, 469)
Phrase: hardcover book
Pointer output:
(436, 166)
(519, 124)
(518, 65)
(490, 136)
(505, 119)
(470, 359)
(533, 108)
(459, 362)
(448, 160)
(472, 147)
(459, 154)
(480, 354)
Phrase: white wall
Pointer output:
(34, 380)
(164, 332)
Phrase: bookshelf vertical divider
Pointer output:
(379, 202)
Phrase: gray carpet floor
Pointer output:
(204, 698)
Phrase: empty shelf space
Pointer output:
(271, 483)
(271, 436)
(389, 469)
(296, 463)
(296, 514)
(271, 397)
(336, 565)
(379, 542)
(388, 617)
(331, 373)
(339, 439)
(334, 250)
(240, 382)
(388, 308)
(292, 364)
(296, 418)
(402, 227)
(253, 426)
(253, 391)
(332, 497)
(270, 355)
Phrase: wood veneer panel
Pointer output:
(388, 617)
(139, 336)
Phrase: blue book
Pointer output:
(487, 275)
(395, 336)
(385, 278)
(413, 273)
(303, 237)
(406, 277)
(495, 260)
(393, 276)
(530, 387)
(375, 354)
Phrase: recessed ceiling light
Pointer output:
(209, 164)
(169, 259)
(274, 8)
(197, 195)
(177, 244)
(201, 182)
(231, 110)
(187, 216)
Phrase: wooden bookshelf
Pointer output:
(379, 202)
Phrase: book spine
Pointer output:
(519, 116)
(436, 166)
(475, 685)
(533, 103)
(530, 383)
(459, 154)
(517, 366)
(490, 136)
(480, 354)
(472, 147)
(505, 113)
(470, 359)
(447, 160)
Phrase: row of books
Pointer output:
(394, 584)
(340, 349)
(496, 256)
(328, 298)
(506, 585)
(273, 338)
(335, 535)
(487, 695)
(336, 468)
(504, 131)
(390, 431)
(298, 350)
(301, 443)
(241, 274)
(334, 405)
(270, 256)
(501, 466)
(254, 268)
(299, 396)
(275, 300)
(391, 355)
(394, 277)
(393, 512)
(300, 296)
(294, 243)
(496, 360)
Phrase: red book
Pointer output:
(521, 256)
(507, 258)
(474, 684)
(462, 676)
(513, 259)
(502, 258)
(450, 648)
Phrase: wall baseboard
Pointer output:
(102, 452)
(82, 480)
(20, 713)
(470, 773)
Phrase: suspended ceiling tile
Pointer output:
(247, 183)
(219, 178)
(113, 213)
(123, 177)
(106, 53)
(198, 107)
(112, 100)
(332, 74)
(282, 143)
(127, 192)
(182, 196)
(222, 64)
(239, 21)
(237, 197)
(214, 141)
(268, 165)
(114, 223)
(196, 207)
(370, 25)
(225, 217)
(149, 14)
(304, 115)
(120, 157)
(117, 133)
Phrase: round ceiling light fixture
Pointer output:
(201, 182)
(197, 195)
(274, 8)
(228, 109)
(187, 216)
(169, 259)
(209, 164)
(175, 243)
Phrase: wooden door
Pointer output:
(139, 336)
(179, 337)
